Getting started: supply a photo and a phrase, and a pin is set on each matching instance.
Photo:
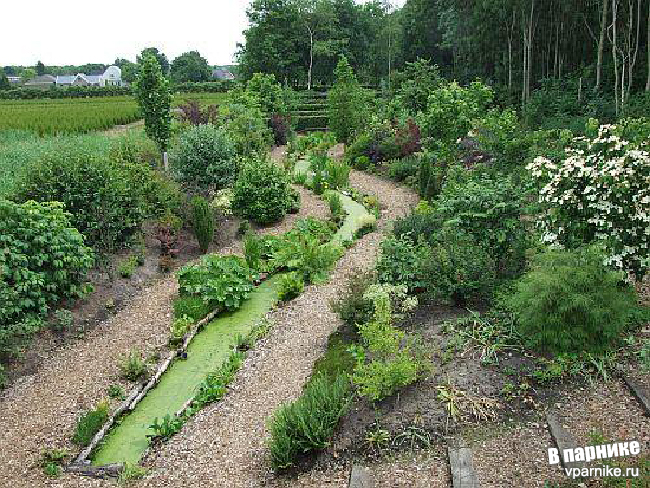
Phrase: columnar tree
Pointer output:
(345, 102)
(153, 95)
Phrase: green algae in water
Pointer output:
(128, 440)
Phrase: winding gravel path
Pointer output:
(224, 444)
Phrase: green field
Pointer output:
(81, 115)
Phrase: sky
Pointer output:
(75, 32)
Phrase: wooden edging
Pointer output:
(640, 393)
(137, 394)
(360, 478)
(461, 463)
(563, 440)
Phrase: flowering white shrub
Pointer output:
(600, 191)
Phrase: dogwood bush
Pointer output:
(600, 191)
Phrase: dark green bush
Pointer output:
(192, 307)
(90, 423)
(570, 302)
(345, 102)
(43, 261)
(101, 195)
(262, 192)
(220, 281)
(452, 267)
(204, 158)
(202, 222)
(308, 423)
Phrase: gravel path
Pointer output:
(41, 410)
(224, 445)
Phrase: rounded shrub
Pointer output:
(204, 157)
(262, 192)
(570, 302)
(105, 196)
(43, 261)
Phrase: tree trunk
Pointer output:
(633, 57)
(601, 44)
(615, 55)
(311, 57)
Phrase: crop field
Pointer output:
(67, 116)
(81, 115)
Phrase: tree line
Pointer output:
(515, 45)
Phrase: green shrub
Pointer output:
(291, 285)
(202, 222)
(405, 168)
(220, 281)
(453, 267)
(570, 302)
(204, 158)
(387, 359)
(338, 174)
(261, 193)
(345, 102)
(127, 266)
(90, 423)
(192, 307)
(132, 366)
(247, 127)
(337, 211)
(350, 305)
(308, 423)
(105, 204)
(62, 320)
(179, 328)
(43, 261)
(52, 460)
(117, 392)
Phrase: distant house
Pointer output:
(111, 77)
(15, 80)
(44, 81)
(222, 74)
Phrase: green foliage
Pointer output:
(246, 124)
(336, 208)
(127, 266)
(204, 158)
(202, 222)
(132, 366)
(570, 302)
(345, 102)
(261, 193)
(414, 84)
(451, 110)
(351, 305)
(131, 472)
(179, 328)
(214, 387)
(62, 320)
(107, 198)
(273, 99)
(166, 428)
(599, 192)
(191, 306)
(43, 261)
(52, 460)
(154, 97)
(291, 285)
(387, 359)
(90, 423)
(220, 281)
(308, 423)
(70, 116)
(117, 392)
(190, 66)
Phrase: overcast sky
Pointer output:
(80, 31)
